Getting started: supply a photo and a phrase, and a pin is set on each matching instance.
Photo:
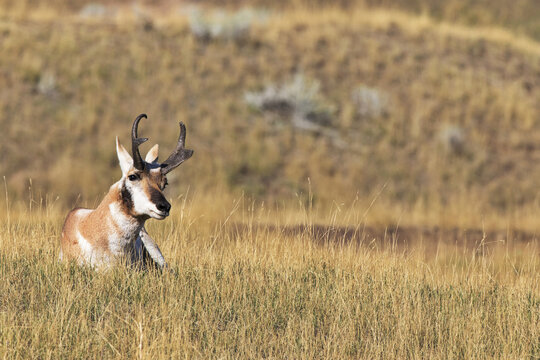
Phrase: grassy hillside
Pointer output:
(251, 291)
(432, 114)
(364, 184)
(521, 16)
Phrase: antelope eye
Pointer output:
(165, 183)
(133, 177)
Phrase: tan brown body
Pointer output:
(114, 231)
(103, 236)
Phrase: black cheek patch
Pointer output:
(127, 200)
(156, 197)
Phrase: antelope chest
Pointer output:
(123, 231)
(103, 237)
(120, 245)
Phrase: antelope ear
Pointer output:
(152, 154)
(125, 160)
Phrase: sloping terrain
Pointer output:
(522, 16)
(456, 112)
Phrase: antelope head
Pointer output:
(143, 181)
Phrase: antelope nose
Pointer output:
(164, 206)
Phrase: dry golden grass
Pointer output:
(521, 16)
(384, 244)
(255, 291)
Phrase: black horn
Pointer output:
(179, 155)
(138, 162)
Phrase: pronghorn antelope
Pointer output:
(115, 229)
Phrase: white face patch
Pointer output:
(142, 205)
(140, 199)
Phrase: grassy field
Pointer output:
(364, 184)
(243, 287)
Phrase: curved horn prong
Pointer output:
(180, 154)
(138, 162)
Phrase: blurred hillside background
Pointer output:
(419, 103)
